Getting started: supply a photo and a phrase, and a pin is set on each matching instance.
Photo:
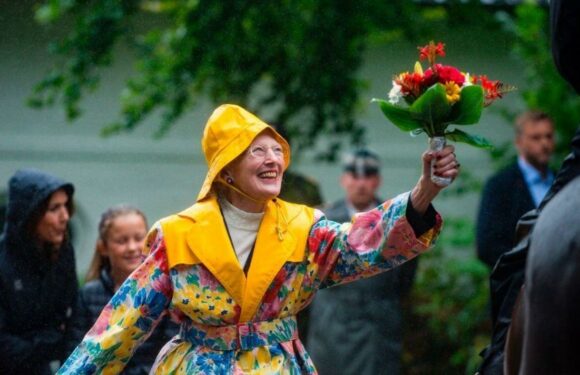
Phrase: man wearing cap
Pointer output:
(356, 328)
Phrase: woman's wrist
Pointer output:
(422, 195)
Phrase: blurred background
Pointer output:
(113, 96)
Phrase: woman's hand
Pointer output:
(446, 165)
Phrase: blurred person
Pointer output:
(38, 282)
(357, 328)
(237, 266)
(517, 189)
(118, 252)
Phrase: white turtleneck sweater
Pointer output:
(242, 227)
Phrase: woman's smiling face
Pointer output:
(258, 171)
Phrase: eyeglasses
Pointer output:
(260, 151)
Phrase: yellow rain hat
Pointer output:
(228, 133)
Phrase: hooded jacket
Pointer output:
(37, 294)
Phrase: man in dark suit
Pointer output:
(356, 328)
(517, 189)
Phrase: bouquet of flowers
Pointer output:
(438, 97)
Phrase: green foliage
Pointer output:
(98, 24)
(295, 60)
(449, 323)
(400, 117)
(545, 89)
(432, 109)
(467, 111)
(475, 140)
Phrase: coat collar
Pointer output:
(209, 241)
(280, 238)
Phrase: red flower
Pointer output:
(430, 51)
(449, 73)
(443, 74)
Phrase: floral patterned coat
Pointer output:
(233, 323)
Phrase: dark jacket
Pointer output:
(508, 275)
(92, 299)
(550, 299)
(366, 334)
(504, 200)
(37, 295)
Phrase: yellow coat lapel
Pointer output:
(271, 251)
(209, 241)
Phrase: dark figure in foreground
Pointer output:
(544, 333)
(38, 283)
(552, 286)
(508, 275)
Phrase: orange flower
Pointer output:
(430, 51)
(410, 83)
(493, 89)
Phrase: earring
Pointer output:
(229, 180)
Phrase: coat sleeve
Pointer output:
(128, 319)
(375, 241)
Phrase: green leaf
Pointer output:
(433, 109)
(475, 140)
(400, 117)
(468, 109)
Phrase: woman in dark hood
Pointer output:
(38, 283)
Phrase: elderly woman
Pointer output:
(38, 283)
(237, 266)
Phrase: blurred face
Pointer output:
(124, 244)
(257, 172)
(536, 143)
(53, 225)
(360, 190)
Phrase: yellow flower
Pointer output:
(452, 90)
